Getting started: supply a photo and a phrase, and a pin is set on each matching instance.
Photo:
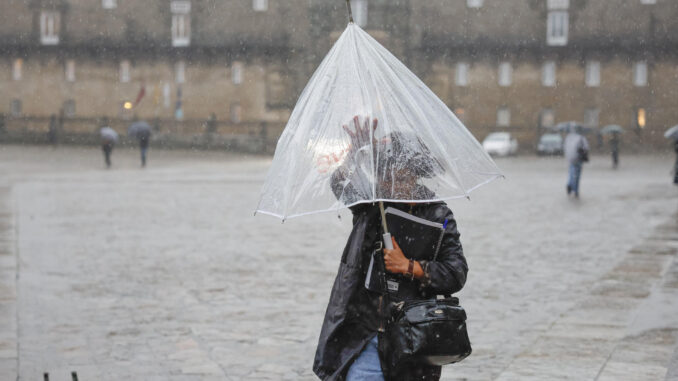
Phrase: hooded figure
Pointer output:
(356, 317)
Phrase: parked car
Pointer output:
(550, 144)
(500, 144)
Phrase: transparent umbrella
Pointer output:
(366, 129)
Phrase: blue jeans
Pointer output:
(367, 366)
(575, 174)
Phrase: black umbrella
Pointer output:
(139, 129)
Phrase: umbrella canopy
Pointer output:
(139, 129)
(569, 126)
(108, 134)
(612, 129)
(363, 126)
(672, 133)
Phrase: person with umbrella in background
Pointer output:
(141, 130)
(576, 154)
(614, 131)
(108, 139)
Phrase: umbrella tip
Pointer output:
(283, 221)
(468, 197)
(255, 213)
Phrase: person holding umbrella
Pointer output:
(141, 130)
(615, 131)
(576, 153)
(108, 139)
(351, 343)
(423, 157)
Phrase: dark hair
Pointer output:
(408, 151)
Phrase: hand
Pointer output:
(395, 260)
(361, 136)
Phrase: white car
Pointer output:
(500, 144)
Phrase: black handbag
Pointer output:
(430, 331)
(582, 153)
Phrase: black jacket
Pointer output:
(352, 318)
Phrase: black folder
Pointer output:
(418, 238)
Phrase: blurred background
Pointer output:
(226, 73)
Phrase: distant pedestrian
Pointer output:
(144, 137)
(576, 153)
(614, 148)
(52, 129)
(210, 128)
(108, 139)
(675, 166)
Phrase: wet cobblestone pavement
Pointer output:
(164, 273)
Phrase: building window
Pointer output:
(641, 118)
(359, 9)
(260, 5)
(557, 4)
(592, 74)
(69, 108)
(548, 74)
(461, 74)
(503, 117)
(474, 3)
(640, 74)
(109, 4)
(505, 73)
(180, 72)
(557, 25)
(70, 70)
(236, 73)
(236, 111)
(591, 117)
(124, 71)
(181, 30)
(180, 7)
(547, 118)
(17, 69)
(15, 107)
(49, 27)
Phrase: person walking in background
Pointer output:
(675, 166)
(52, 129)
(141, 131)
(576, 153)
(144, 137)
(614, 148)
(210, 128)
(108, 139)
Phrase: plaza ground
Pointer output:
(164, 273)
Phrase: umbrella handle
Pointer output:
(387, 241)
(350, 14)
(386, 236)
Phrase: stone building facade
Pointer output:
(510, 65)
